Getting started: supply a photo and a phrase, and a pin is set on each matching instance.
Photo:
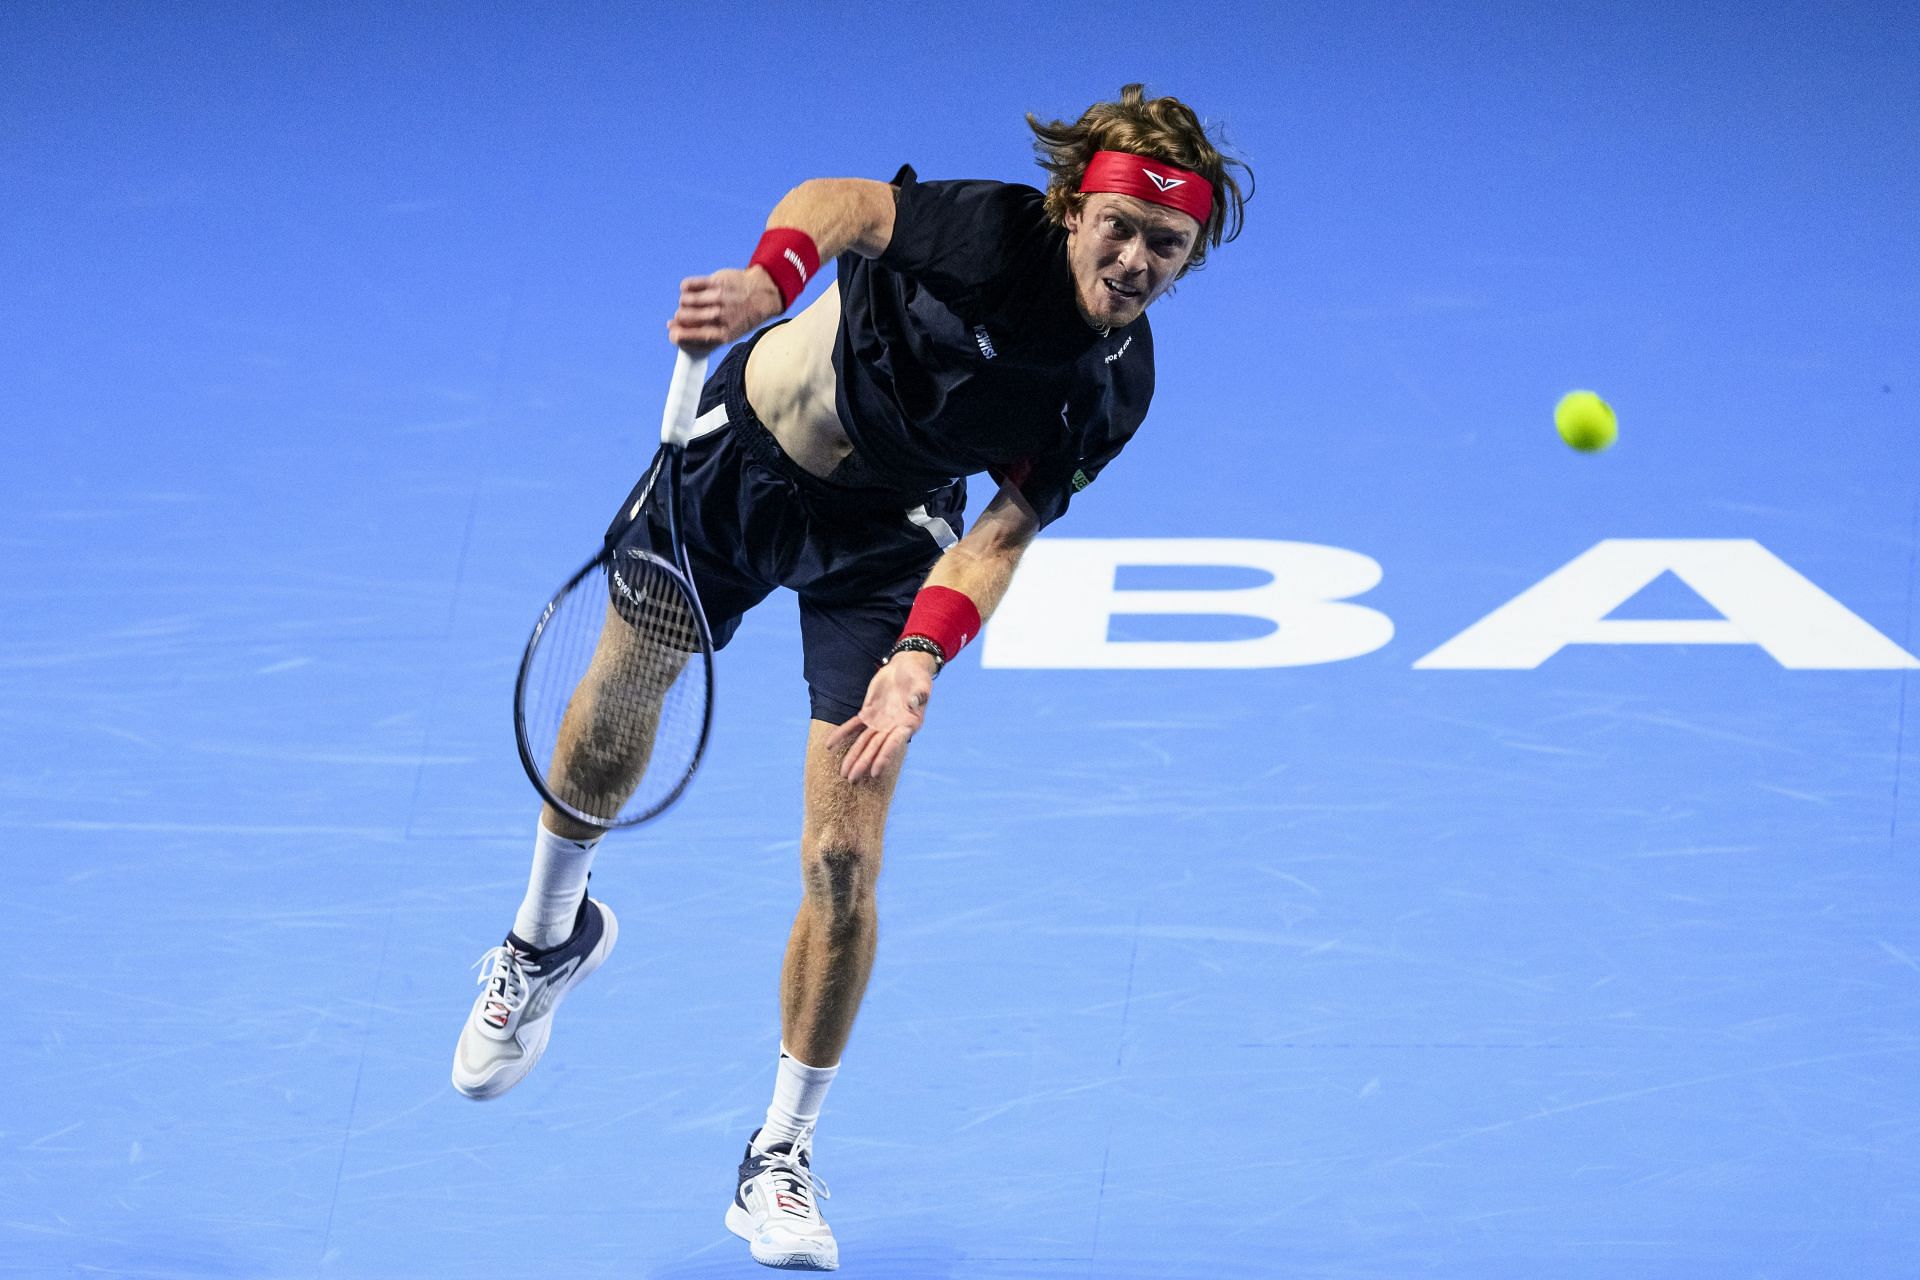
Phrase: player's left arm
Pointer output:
(979, 566)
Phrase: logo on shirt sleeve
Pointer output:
(986, 343)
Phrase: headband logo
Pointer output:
(1165, 184)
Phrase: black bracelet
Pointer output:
(917, 644)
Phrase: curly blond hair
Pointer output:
(1163, 129)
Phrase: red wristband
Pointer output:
(790, 257)
(944, 616)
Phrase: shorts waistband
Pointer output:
(760, 445)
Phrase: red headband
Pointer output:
(1126, 174)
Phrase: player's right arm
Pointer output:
(837, 214)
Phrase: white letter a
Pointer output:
(1762, 601)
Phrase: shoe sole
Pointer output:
(741, 1225)
(488, 1087)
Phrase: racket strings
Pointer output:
(617, 689)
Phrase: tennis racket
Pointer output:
(615, 694)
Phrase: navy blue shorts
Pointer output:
(753, 521)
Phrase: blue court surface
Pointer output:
(1376, 841)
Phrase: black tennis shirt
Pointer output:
(961, 349)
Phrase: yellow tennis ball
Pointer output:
(1585, 421)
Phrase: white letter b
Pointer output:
(1057, 612)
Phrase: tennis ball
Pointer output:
(1585, 421)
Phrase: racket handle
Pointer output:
(683, 398)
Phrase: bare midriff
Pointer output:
(793, 390)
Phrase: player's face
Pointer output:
(1124, 253)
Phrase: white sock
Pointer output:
(798, 1092)
(554, 890)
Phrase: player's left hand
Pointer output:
(895, 708)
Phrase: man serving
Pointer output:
(975, 327)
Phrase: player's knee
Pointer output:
(839, 879)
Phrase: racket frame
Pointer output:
(676, 428)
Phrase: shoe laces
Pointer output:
(794, 1179)
(506, 982)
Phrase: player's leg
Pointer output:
(606, 734)
(850, 613)
(830, 950)
(829, 959)
(560, 934)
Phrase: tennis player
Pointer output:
(975, 327)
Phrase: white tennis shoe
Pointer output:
(512, 1018)
(775, 1208)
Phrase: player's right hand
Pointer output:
(720, 308)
